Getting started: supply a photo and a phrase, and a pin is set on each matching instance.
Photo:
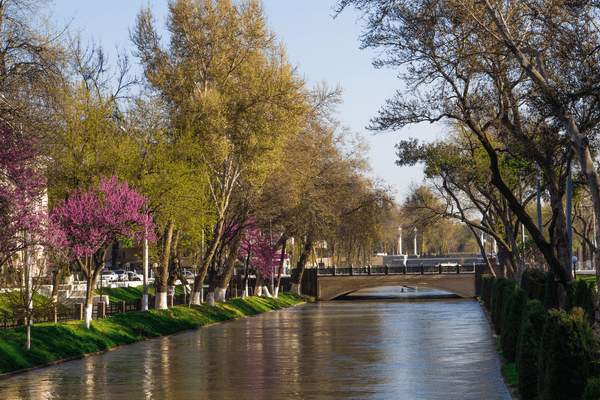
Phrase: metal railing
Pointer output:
(397, 270)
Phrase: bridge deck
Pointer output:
(457, 279)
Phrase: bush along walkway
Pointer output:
(549, 353)
(52, 343)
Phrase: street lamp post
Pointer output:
(400, 241)
(415, 240)
(145, 295)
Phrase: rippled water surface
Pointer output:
(387, 348)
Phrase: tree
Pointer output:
(32, 56)
(91, 220)
(456, 71)
(226, 81)
(24, 223)
(560, 59)
(25, 228)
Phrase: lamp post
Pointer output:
(145, 295)
(415, 240)
(400, 240)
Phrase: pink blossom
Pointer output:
(90, 220)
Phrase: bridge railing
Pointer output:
(397, 270)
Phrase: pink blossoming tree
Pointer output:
(24, 222)
(261, 255)
(91, 220)
(25, 226)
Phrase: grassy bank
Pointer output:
(53, 342)
(130, 293)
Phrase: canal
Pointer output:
(389, 344)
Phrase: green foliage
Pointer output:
(584, 298)
(551, 295)
(581, 294)
(533, 282)
(507, 298)
(512, 325)
(530, 333)
(509, 372)
(592, 389)
(497, 292)
(486, 291)
(568, 355)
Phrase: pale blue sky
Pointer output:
(323, 48)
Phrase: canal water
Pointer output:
(392, 344)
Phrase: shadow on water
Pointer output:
(395, 293)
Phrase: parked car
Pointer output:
(120, 274)
(132, 276)
(108, 276)
(189, 275)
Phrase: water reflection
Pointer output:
(376, 349)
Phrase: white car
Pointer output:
(108, 276)
(120, 274)
(189, 275)
(132, 276)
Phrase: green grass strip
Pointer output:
(53, 342)
(130, 293)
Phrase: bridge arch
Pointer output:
(330, 287)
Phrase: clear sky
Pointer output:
(323, 48)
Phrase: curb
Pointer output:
(495, 339)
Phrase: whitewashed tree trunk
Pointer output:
(210, 299)
(276, 292)
(87, 315)
(220, 294)
(258, 291)
(266, 291)
(295, 288)
(197, 298)
(160, 301)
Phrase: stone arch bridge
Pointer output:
(329, 283)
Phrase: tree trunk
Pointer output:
(222, 280)
(296, 277)
(208, 258)
(210, 299)
(283, 242)
(162, 270)
(88, 306)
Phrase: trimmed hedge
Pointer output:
(551, 296)
(497, 301)
(512, 324)
(568, 355)
(555, 352)
(530, 333)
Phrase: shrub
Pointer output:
(507, 297)
(486, 291)
(568, 355)
(512, 325)
(533, 282)
(592, 390)
(570, 297)
(584, 298)
(530, 332)
(551, 296)
(497, 302)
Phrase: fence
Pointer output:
(397, 270)
(57, 314)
